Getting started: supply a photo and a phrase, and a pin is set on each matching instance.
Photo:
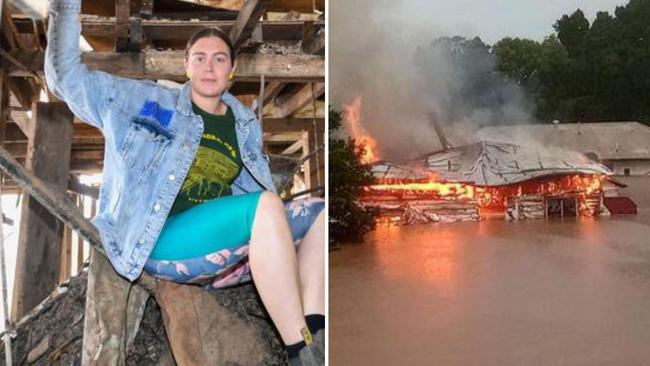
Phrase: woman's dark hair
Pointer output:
(211, 32)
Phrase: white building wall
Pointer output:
(635, 167)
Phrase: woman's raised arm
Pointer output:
(85, 92)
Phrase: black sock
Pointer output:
(293, 349)
(315, 322)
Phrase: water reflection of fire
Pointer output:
(352, 117)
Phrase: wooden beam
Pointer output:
(277, 125)
(66, 255)
(293, 148)
(285, 137)
(174, 29)
(151, 64)
(313, 40)
(83, 133)
(80, 240)
(21, 121)
(122, 25)
(300, 100)
(41, 233)
(87, 134)
(220, 4)
(146, 9)
(270, 91)
(198, 15)
(75, 186)
(136, 35)
(315, 165)
(21, 150)
(4, 105)
(308, 33)
(8, 30)
(249, 15)
(13, 133)
(277, 5)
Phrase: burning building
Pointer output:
(488, 180)
(482, 180)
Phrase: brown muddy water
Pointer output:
(494, 293)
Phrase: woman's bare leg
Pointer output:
(311, 265)
(274, 268)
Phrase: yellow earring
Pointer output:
(188, 75)
(231, 75)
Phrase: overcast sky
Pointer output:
(489, 19)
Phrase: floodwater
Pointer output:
(494, 293)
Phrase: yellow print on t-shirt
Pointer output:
(231, 149)
(211, 169)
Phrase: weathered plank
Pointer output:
(270, 91)
(277, 5)
(313, 41)
(151, 64)
(4, 104)
(173, 29)
(38, 258)
(248, 17)
(122, 25)
(276, 125)
(300, 100)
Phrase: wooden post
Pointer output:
(4, 104)
(39, 242)
(122, 25)
(545, 208)
(307, 165)
(66, 253)
(80, 240)
(316, 164)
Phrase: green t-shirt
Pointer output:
(216, 165)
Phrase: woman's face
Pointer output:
(208, 65)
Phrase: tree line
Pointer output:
(598, 71)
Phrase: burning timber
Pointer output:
(488, 180)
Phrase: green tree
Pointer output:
(572, 30)
(347, 176)
(588, 72)
(520, 59)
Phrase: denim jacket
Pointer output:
(151, 136)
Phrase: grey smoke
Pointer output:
(405, 77)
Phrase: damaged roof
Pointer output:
(488, 163)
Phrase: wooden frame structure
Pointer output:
(280, 75)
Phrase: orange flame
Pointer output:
(352, 117)
(495, 199)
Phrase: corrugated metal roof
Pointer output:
(489, 163)
(608, 140)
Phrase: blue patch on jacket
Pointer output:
(154, 110)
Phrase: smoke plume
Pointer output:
(408, 74)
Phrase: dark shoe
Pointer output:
(313, 354)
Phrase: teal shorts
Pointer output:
(208, 244)
(207, 228)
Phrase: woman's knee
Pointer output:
(270, 202)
